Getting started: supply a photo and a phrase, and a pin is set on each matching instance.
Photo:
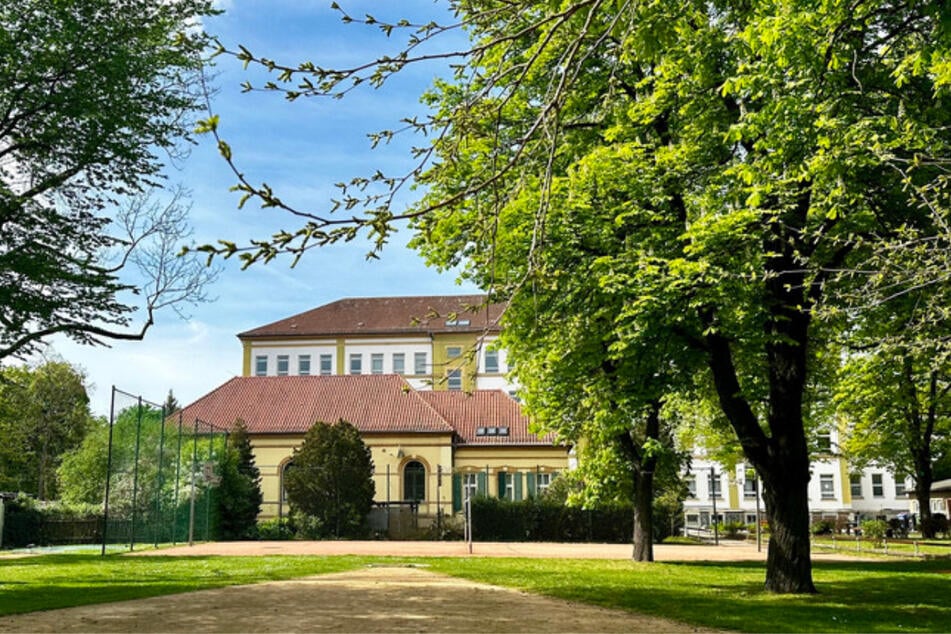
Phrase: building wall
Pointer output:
(471, 362)
(392, 452)
(829, 490)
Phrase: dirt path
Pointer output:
(374, 599)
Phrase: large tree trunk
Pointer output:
(788, 563)
(644, 516)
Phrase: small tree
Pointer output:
(239, 493)
(332, 479)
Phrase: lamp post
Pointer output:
(713, 496)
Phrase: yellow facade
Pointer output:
(392, 452)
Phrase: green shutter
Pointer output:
(532, 486)
(501, 484)
(456, 492)
(518, 486)
(481, 483)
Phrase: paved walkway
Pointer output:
(726, 551)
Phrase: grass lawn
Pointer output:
(887, 596)
(57, 581)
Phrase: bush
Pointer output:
(937, 524)
(732, 530)
(28, 521)
(822, 527)
(545, 520)
(275, 529)
(874, 529)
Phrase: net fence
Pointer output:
(160, 474)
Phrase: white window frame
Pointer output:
(303, 365)
(878, 485)
(399, 363)
(420, 360)
(376, 363)
(492, 361)
(826, 486)
(749, 489)
(454, 380)
(542, 482)
(453, 352)
(326, 364)
(691, 482)
(283, 364)
(855, 486)
(356, 363)
(260, 365)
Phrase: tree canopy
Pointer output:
(94, 95)
(239, 494)
(44, 414)
(725, 184)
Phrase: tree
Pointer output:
(45, 414)
(94, 93)
(897, 405)
(332, 479)
(239, 492)
(747, 153)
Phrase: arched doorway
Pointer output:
(414, 481)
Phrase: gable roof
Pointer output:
(291, 404)
(387, 315)
(486, 409)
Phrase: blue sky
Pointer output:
(301, 149)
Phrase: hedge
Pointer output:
(540, 520)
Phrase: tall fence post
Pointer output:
(105, 504)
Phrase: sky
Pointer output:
(300, 149)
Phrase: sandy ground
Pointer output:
(373, 599)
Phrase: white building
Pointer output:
(836, 492)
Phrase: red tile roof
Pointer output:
(291, 404)
(468, 411)
(387, 315)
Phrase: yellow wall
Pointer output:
(391, 453)
(468, 361)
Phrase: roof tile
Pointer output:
(387, 315)
(468, 411)
(291, 404)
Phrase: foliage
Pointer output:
(669, 195)
(938, 524)
(544, 520)
(822, 527)
(896, 397)
(239, 494)
(94, 95)
(44, 414)
(874, 529)
(31, 522)
(332, 480)
(274, 529)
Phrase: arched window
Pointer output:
(414, 481)
(287, 468)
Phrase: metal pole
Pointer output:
(135, 472)
(713, 496)
(158, 492)
(759, 535)
(469, 519)
(438, 504)
(105, 506)
(211, 456)
(178, 475)
(191, 511)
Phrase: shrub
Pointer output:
(935, 525)
(275, 529)
(822, 527)
(874, 529)
(542, 519)
(732, 530)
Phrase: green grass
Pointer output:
(57, 581)
(854, 596)
(886, 596)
